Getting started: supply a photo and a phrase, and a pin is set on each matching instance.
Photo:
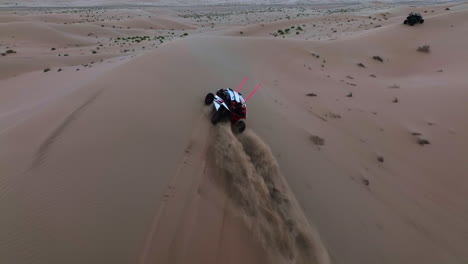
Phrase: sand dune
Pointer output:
(62, 19)
(109, 157)
(88, 30)
(38, 35)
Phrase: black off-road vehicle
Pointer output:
(413, 18)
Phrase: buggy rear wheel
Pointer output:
(422, 21)
(216, 117)
(239, 127)
(209, 98)
(405, 22)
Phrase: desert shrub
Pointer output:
(424, 49)
(378, 58)
(317, 140)
(422, 141)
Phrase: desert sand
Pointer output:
(355, 150)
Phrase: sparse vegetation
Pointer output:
(46, 69)
(311, 94)
(424, 49)
(380, 159)
(10, 51)
(288, 30)
(361, 65)
(134, 39)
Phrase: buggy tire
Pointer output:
(411, 24)
(209, 98)
(216, 117)
(239, 127)
(422, 21)
(405, 22)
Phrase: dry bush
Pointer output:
(378, 58)
(424, 48)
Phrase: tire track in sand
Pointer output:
(47, 144)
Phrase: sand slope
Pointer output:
(98, 110)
